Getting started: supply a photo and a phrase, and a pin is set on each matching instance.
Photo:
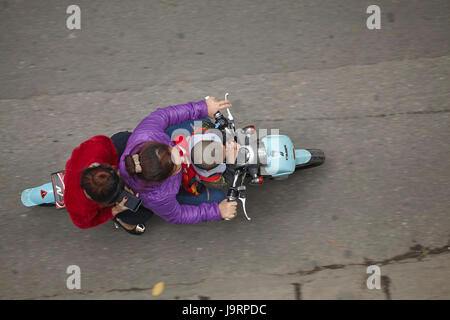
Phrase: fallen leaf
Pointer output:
(158, 289)
(334, 243)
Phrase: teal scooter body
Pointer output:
(38, 195)
(51, 192)
(282, 157)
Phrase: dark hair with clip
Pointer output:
(153, 163)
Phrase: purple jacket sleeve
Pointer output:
(162, 118)
(168, 208)
(175, 213)
(161, 198)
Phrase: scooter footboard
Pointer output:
(38, 195)
(51, 192)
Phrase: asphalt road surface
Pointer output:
(376, 101)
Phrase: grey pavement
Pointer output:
(377, 102)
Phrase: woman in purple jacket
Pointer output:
(151, 165)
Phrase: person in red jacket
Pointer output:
(92, 185)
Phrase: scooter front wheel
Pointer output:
(317, 158)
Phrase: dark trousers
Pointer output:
(142, 214)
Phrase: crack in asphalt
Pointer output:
(386, 285)
(133, 289)
(167, 286)
(130, 290)
(297, 291)
(380, 115)
(417, 251)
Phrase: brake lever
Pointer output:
(239, 192)
(243, 197)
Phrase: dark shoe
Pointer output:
(137, 231)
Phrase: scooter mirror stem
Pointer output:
(230, 117)
(236, 177)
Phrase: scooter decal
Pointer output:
(43, 194)
(58, 188)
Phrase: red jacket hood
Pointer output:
(84, 212)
